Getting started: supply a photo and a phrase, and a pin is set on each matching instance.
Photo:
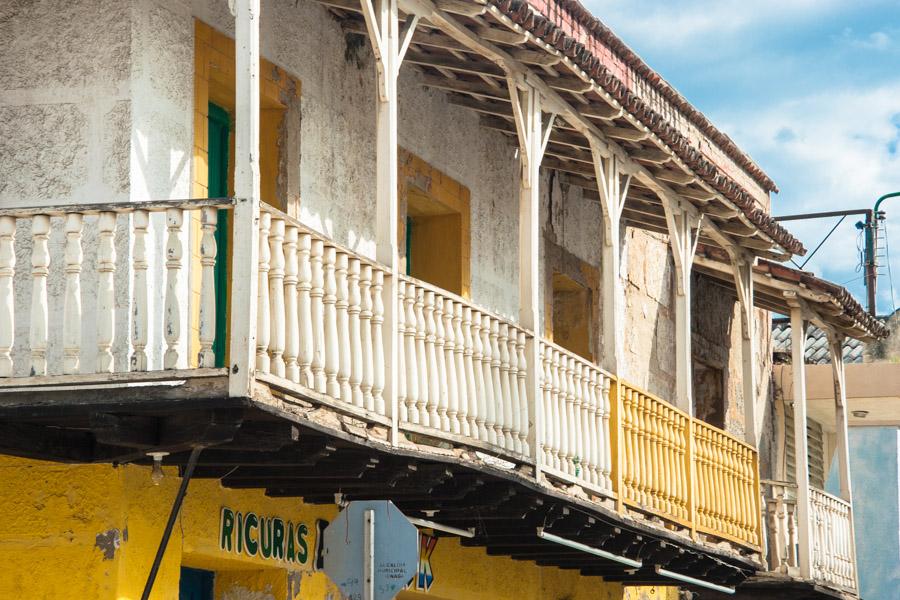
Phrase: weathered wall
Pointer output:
(93, 531)
(122, 89)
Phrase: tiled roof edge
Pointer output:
(523, 14)
(593, 24)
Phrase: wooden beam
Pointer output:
(471, 67)
(464, 86)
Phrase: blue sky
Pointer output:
(809, 88)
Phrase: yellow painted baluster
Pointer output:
(628, 430)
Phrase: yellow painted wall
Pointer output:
(56, 541)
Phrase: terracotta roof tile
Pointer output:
(561, 23)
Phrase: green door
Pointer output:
(195, 584)
(217, 144)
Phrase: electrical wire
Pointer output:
(887, 256)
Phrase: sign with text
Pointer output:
(370, 550)
(272, 538)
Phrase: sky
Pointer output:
(809, 88)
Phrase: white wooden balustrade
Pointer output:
(833, 560)
(781, 519)
(576, 404)
(320, 318)
(465, 371)
(55, 240)
(832, 543)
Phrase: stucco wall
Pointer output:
(875, 470)
(110, 114)
(92, 531)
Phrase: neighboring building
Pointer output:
(873, 382)
(472, 257)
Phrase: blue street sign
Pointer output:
(370, 550)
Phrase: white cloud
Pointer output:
(877, 40)
(655, 24)
(829, 151)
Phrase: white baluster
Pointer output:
(343, 326)
(472, 390)
(513, 416)
(440, 343)
(317, 308)
(578, 436)
(106, 295)
(378, 341)
(587, 458)
(595, 424)
(292, 324)
(209, 217)
(559, 411)
(40, 268)
(459, 360)
(522, 376)
(547, 366)
(607, 440)
(139, 312)
(491, 393)
(477, 393)
(329, 300)
(421, 359)
(433, 382)
(365, 325)
(72, 311)
(402, 405)
(497, 385)
(571, 424)
(276, 298)
(353, 309)
(505, 388)
(7, 297)
(451, 365)
(263, 307)
(304, 305)
(410, 357)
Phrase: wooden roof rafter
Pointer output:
(467, 49)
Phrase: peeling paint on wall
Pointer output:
(108, 542)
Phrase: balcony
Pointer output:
(468, 381)
(833, 563)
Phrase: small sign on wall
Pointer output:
(259, 536)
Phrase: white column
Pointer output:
(242, 348)
(743, 279)
(842, 447)
(801, 454)
(7, 295)
(613, 183)
(533, 135)
(389, 44)
(684, 227)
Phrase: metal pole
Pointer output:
(173, 514)
(871, 272)
(369, 558)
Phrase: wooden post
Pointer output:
(801, 461)
(389, 44)
(842, 447)
(684, 228)
(242, 347)
(613, 183)
(533, 135)
(743, 279)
